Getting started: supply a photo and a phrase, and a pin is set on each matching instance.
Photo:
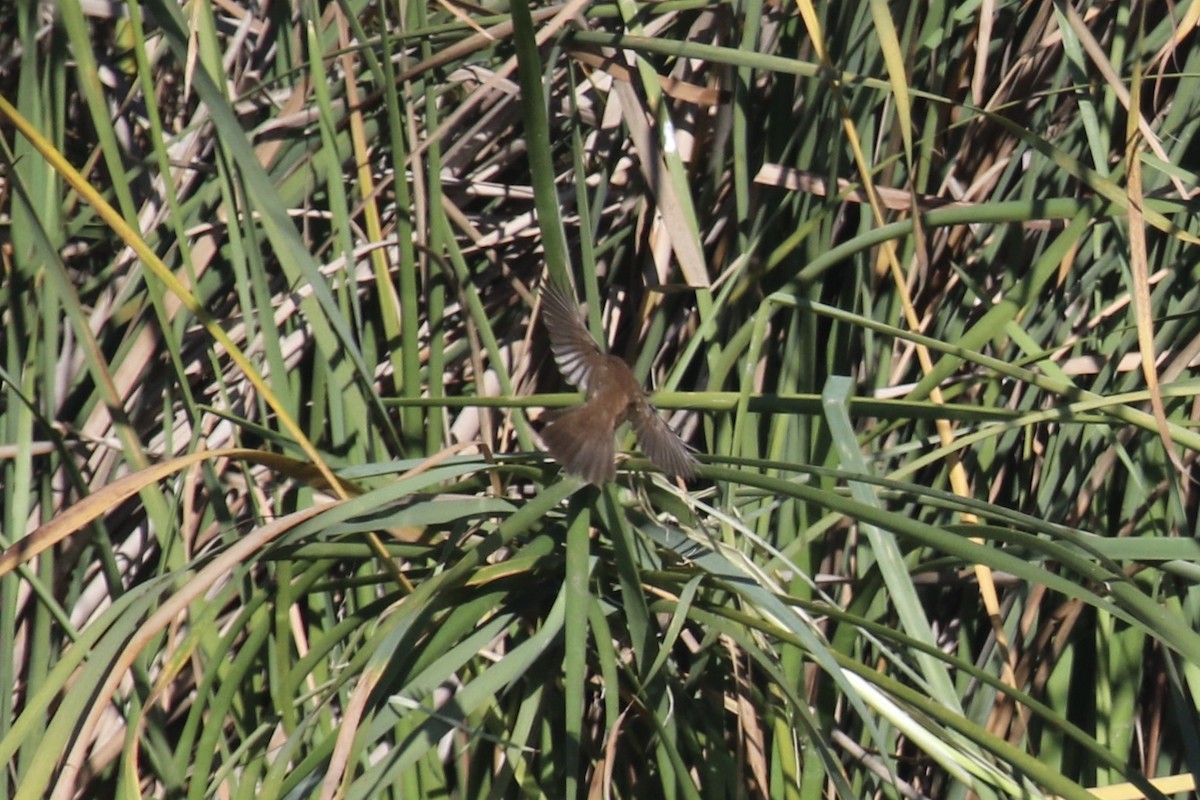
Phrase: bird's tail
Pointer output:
(582, 442)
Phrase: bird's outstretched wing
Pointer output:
(661, 444)
(574, 348)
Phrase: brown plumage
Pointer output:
(581, 438)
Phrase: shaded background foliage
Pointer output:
(275, 519)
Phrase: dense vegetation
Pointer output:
(911, 278)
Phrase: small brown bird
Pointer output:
(581, 438)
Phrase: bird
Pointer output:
(581, 438)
